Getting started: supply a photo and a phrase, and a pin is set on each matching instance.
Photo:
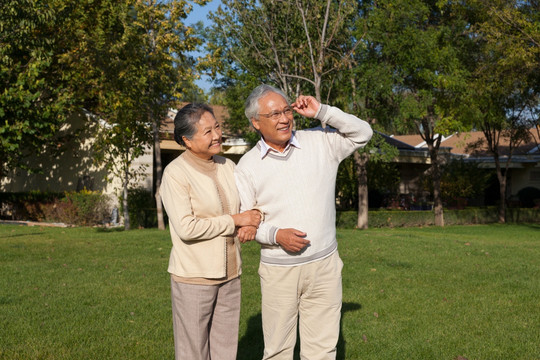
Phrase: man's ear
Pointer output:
(255, 124)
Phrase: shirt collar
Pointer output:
(265, 148)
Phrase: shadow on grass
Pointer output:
(534, 226)
(109, 229)
(341, 345)
(27, 234)
(251, 345)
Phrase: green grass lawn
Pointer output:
(408, 293)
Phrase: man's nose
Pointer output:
(283, 117)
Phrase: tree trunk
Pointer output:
(502, 204)
(3, 169)
(159, 172)
(125, 200)
(502, 190)
(361, 159)
(437, 201)
(436, 174)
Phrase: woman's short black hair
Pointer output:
(186, 118)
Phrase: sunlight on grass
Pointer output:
(414, 293)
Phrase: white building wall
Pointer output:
(73, 169)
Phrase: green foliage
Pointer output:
(529, 197)
(301, 47)
(125, 62)
(383, 183)
(386, 218)
(503, 91)
(142, 208)
(418, 46)
(35, 91)
(26, 205)
(147, 69)
(419, 43)
(382, 175)
(460, 179)
(408, 218)
(83, 208)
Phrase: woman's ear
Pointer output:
(187, 142)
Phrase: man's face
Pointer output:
(276, 131)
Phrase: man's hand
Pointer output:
(306, 106)
(291, 240)
(246, 233)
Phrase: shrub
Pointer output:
(142, 208)
(404, 218)
(26, 205)
(86, 208)
(528, 195)
(460, 180)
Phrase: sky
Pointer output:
(199, 13)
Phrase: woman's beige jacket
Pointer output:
(198, 225)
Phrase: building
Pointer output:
(523, 161)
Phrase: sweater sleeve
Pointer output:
(266, 233)
(176, 200)
(353, 133)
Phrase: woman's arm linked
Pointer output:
(246, 224)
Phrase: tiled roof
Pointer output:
(472, 143)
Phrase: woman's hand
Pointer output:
(246, 233)
(247, 218)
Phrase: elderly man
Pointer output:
(290, 176)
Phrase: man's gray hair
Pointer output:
(252, 102)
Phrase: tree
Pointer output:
(125, 62)
(121, 126)
(137, 51)
(369, 93)
(461, 180)
(354, 176)
(36, 95)
(299, 45)
(378, 151)
(118, 145)
(420, 41)
(303, 46)
(165, 42)
(505, 83)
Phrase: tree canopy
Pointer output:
(36, 92)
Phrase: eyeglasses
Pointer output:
(276, 115)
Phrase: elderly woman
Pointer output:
(201, 200)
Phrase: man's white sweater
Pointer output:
(296, 188)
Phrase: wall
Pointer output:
(525, 177)
(71, 167)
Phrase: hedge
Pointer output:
(93, 208)
(84, 208)
(469, 216)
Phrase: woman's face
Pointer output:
(207, 140)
